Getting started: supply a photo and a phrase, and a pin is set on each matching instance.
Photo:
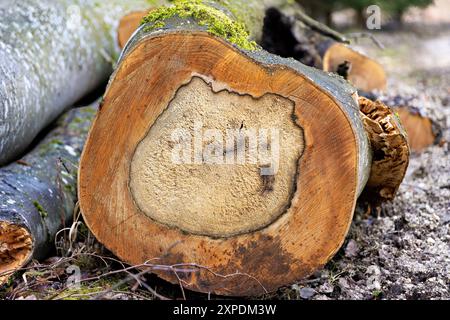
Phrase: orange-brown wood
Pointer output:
(16, 249)
(365, 73)
(419, 129)
(390, 148)
(128, 25)
(302, 240)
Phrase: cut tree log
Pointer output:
(38, 193)
(178, 180)
(289, 33)
(422, 129)
(52, 53)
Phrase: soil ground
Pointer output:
(403, 251)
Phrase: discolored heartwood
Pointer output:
(331, 171)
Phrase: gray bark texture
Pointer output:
(52, 53)
(39, 191)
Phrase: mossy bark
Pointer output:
(38, 192)
(52, 53)
(238, 21)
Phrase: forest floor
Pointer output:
(404, 251)
(399, 252)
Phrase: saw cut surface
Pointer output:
(189, 173)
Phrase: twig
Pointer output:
(320, 27)
(358, 35)
(236, 274)
(136, 277)
(149, 267)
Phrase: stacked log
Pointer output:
(38, 192)
(52, 53)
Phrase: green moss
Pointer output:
(40, 209)
(78, 120)
(9, 282)
(69, 188)
(251, 15)
(86, 291)
(158, 25)
(50, 146)
(218, 23)
(89, 110)
(397, 117)
(377, 294)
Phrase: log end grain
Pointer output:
(419, 128)
(363, 72)
(15, 248)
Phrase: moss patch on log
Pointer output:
(218, 23)
(40, 209)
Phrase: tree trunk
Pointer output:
(164, 185)
(314, 45)
(52, 53)
(38, 193)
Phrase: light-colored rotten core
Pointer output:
(217, 200)
(15, 248)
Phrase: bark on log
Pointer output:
(38, 193)
(241, 232)
(287, 34)
(251, 13)
(52, 53)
